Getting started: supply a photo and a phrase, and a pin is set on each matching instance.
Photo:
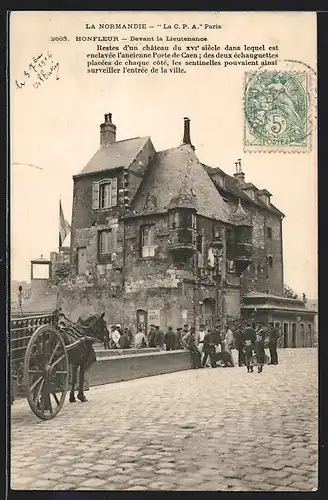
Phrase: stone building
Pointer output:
(160, 238)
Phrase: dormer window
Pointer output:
(104, 194)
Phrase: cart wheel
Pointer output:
(46, 372)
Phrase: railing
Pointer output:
(21, 330)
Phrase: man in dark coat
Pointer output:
(178, 336)
(124, 341)
(106, 339)
(208, 348)
(239, 343)
(217, 335)
(273, 340)
(189, 342)
(169, 339)
(159, 337)
(151, 339)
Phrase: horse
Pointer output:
(79, 338)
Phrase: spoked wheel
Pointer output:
(46, 372)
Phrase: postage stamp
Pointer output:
(276, 111)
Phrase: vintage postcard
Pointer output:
(163, 331)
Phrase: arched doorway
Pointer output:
(142, 320)
(209, 312)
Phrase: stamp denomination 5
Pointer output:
(278, 106)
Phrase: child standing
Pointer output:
(249, 340)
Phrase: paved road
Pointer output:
(209, 429)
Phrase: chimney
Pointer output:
(107, 131)
(186, 133)
(239, 175)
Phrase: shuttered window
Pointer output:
(104, 194)
(114, 193)
(95, 195)
(147, 241)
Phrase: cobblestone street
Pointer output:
(209, 429)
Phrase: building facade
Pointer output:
(160, 238)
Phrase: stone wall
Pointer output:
(260, 276)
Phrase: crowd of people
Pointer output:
(216, 345)
(208, 347)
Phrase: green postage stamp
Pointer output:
(276, 111)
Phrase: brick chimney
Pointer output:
(107, 131)
(186, 133)
(239, 175)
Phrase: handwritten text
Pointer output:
(38, 71)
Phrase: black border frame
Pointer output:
(322, 17)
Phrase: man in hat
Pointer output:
(124, 341)
(169, 339)
(228, 343)
(273, 341)
(158, 337)
(208, 348)
(115, 336)
(200, 337)
(189, 342)
(240, 345)
(151, 337)
(178, 336)
(140, 339)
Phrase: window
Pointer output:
(106, 243)
(174, 220)
(200, 250)
(147, 241)
(230, 266)
(270, 261)
(183, 220)
(104, 194)
(269, 233)
(230, 242)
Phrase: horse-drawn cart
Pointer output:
(41, 350)
(39, 363)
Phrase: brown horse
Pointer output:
(79, 339)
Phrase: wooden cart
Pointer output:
(39, 363)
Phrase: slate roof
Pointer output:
(231, 186)
(175, 170)
(115, 155)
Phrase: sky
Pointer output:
(56, 127)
